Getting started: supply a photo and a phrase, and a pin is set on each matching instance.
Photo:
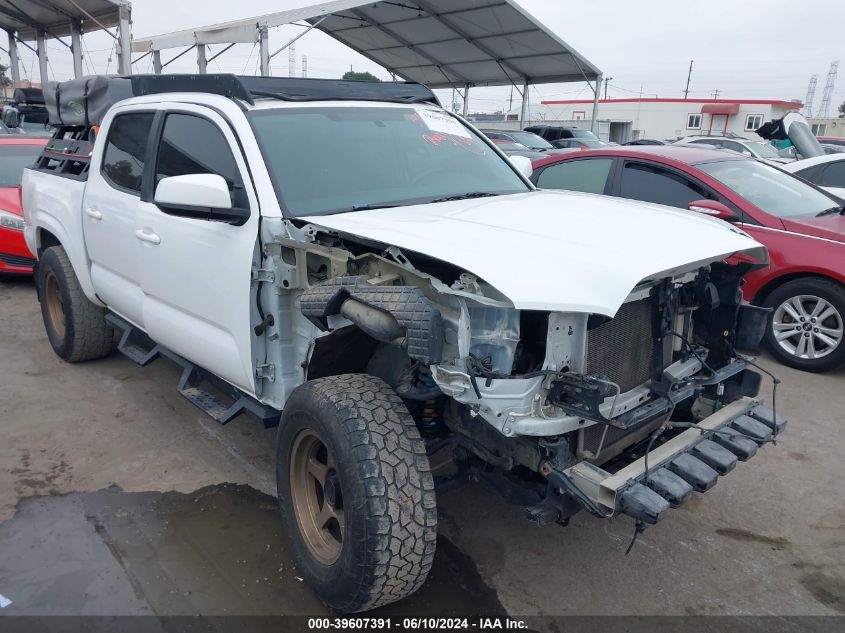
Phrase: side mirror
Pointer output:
(199, 196)
(714, 209)
(10, 118)
(523, 164)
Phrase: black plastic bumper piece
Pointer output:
(669, 486)
(743, 447)
(642, 503)
(694, 471)
(717, 457)
(767, 417)
(754, 429)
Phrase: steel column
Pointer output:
(157, 62)
(76, 48)
(466, 100)
(41, 49)
(124, 42)
(594, 125)
(524, 114)
(264, 50)
(202, 63)
(14, 62)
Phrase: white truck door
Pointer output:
(111, 200)
(195, 273)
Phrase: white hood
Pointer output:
(553, 250)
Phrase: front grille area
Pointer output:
(16, 260)
(621, 348)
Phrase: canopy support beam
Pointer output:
(594, 124)
(524, 113)
(14, 61)
(264, 50)
(41, 48)
(76, 47)
(466, 100)
(157, 62)
(202, 62)
(124, 41)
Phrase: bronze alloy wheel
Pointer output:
(316, 495)
(55, 305)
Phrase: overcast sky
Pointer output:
(762, 49)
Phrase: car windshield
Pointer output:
(332, 159)
(775, 192)
(587, 142)
(582, 134)
(13, 160)
(762, 150)
(531, 140)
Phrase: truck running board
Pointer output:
(139, 347)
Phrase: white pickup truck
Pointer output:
(353, 263)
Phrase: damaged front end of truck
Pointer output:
(558, 410)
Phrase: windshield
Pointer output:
(770, 189)
(586, 142)
(762, 150)
(576, 133)
(332, 159)
(13, 160)
(531, 140)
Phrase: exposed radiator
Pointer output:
(621, 348)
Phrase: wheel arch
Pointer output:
(773, 284)
(51, 233)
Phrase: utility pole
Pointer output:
(606, 81)
(689, 76)
(715, 94)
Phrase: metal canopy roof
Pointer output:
(54, 17)
(440, 43)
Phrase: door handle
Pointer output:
(150, 238)
(93, 213)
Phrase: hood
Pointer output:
(829, 227)
(553, 250)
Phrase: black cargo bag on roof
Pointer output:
(84, 102)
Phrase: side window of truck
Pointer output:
(194, 145)
(126, 148)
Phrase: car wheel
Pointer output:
(807, 325)
(356, 492)
(76, 327)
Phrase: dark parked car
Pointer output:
(579, 143)
(553, 133)
(801, 225)
(528, 139)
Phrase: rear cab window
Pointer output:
(126, 149)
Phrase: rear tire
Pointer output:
(795, 342)
(356, 492)
(75, 326)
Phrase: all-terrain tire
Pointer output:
(76, 327)
(387, 490)
(816, 292)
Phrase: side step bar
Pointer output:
(141, 349)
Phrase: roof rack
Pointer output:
(84, 101)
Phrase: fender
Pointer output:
(59, 213)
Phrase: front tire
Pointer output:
(356, 492)
(76, 327)
(805, 328)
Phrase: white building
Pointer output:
(631, 119)
(828, 126)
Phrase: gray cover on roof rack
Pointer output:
(84, 101)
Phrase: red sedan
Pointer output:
(16, 152)
(802, 226)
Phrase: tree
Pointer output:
(364, 76)
(842, 110)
